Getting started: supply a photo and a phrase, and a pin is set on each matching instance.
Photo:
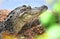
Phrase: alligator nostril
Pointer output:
(45, 6)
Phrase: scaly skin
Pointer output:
(22, 15)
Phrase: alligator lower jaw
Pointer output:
(17, 29)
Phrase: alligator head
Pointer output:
(20, 16)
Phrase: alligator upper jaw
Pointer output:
(38, 11)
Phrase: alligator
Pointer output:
(20, 16)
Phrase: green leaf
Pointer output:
(47, 18)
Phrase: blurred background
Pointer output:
(7, 5)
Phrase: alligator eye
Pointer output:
(24, 6)
(29, 7)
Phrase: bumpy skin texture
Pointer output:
(21, 16)
(2, 27)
